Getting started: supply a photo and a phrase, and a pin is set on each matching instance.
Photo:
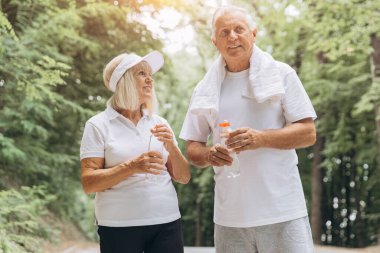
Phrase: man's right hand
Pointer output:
(204, 156)
(219, 156)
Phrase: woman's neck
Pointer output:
(133, 116)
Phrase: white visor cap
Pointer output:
(155, 60)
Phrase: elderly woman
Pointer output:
(129, 156)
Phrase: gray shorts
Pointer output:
(286, 237)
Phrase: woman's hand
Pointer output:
(177, 165)
(149, 162)
(163, 133)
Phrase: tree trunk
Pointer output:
(317, 179)
(375, 67)
(375, 60)
(316, 192)
(198, 231)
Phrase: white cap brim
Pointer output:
(155, 60)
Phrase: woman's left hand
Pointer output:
(163, 133)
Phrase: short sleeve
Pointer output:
(296, 103)
(93, 143)
(195, 128)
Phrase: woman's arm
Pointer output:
(95, 178)
(178, 166)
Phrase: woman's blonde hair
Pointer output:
(126, 96)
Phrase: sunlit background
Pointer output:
(52, 54)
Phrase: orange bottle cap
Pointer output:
(224, 124)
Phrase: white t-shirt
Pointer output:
(134, 201)
(269, 188)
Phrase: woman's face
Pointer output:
(144, 81)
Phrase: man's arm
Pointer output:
(197, 152)
(203, 156)
(299, 134)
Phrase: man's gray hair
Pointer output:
(228, 9)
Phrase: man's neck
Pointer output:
(237, 66)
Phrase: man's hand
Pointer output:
(244, 139)
(219, 156)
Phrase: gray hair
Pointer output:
(229, 9)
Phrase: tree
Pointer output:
(52, 83)
(341, 32)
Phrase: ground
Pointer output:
(72, 241)
(84, 247)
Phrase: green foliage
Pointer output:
(344, 93)
(342, 27)
(21, 225)
(53, 52)
(367, 101)
(51, 83)
(82, 213)
(196, 205)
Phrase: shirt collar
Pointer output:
(113, 114)
(145, 113)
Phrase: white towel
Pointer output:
(265, 83)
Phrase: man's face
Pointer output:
(233, 38)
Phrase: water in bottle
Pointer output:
(233, 170)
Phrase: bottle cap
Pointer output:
(224, 124)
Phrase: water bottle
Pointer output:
(232, 170)
(155, 145)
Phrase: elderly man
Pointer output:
(262, 210)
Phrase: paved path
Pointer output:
(94, 249)
(317, 250)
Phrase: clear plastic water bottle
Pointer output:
(233, 170)
(155, 145)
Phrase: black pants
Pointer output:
(161, 238)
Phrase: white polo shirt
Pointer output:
(134, 201)
(269, 189)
